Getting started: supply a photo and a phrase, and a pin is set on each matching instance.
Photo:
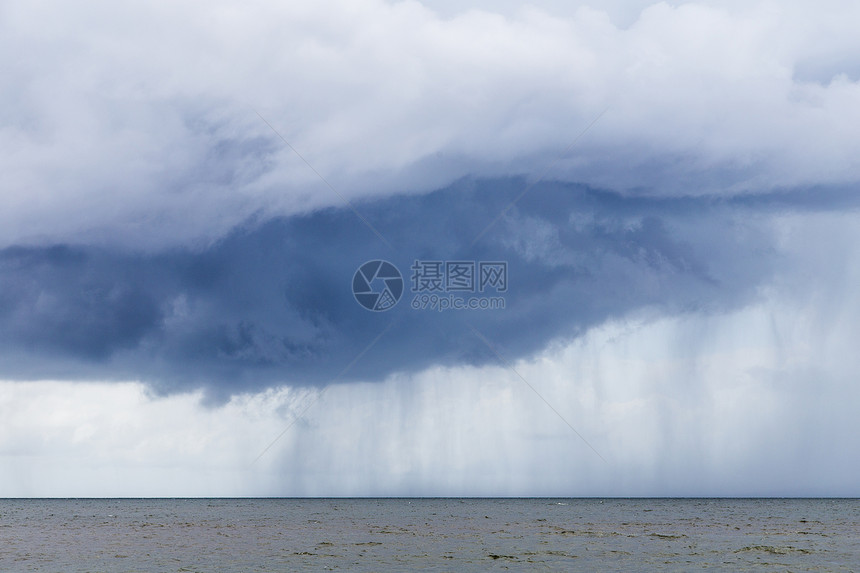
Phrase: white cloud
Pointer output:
(85, 439)
(135, 123)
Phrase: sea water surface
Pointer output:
(214, 535)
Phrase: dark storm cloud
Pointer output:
(271, 303)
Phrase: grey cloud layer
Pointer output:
(271, 303)
(136, 123)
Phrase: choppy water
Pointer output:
(429, 534)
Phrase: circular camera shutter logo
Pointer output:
(377, 285)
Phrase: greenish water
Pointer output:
(214, 535)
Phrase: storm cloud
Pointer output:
(188, 190)
(271, 303)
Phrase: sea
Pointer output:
(428, 534)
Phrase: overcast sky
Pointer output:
(189, 188)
